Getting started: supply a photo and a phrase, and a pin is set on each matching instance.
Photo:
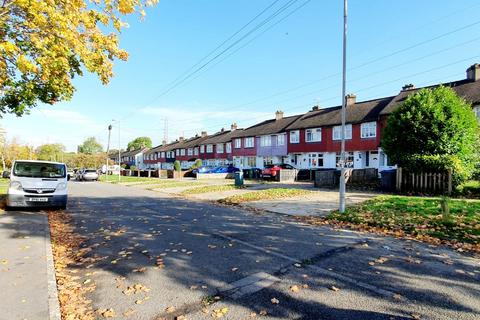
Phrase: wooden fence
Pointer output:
(424, 182)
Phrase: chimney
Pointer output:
(181, 139)
(164, 142)
(233, 127)
(278, 115)
(473, 72)
(204, 134)
(407, 87)
(315, 108)
(351, 99)
(223, 129)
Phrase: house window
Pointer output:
(281, 140)
(267, 160)
(348, 159)
(251, 162)
(202, 149)
(219, 147)
(209, 148)
(229, 147)
(369, 130)
(182, 152)
(238, 143)
(265, 141)
(337, 132)
(294, 136)
(190, 151)
(315, 160)
(195, 151)
(249, 142)
(177, 152)
(313, 135)
(163, 154)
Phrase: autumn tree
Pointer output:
(90, 146)
(50, 152)
(44, 44)
(434, 129)
(140, 142)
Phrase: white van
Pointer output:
(35, 183)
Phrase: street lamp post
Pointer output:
(344, 80)
(119, 156)
(108, 150)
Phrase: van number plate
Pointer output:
(38, 199)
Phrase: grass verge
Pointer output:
(208, 189)
(269, 194)
(173, 184)
(420, 218)
(127, 179)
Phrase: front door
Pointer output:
(373, 159)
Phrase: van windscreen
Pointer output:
(39, 170)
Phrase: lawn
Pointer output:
(124, 179)
(269, 194)
(416, 216)
(208, 189)
(173, 184)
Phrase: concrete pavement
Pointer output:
(28, 288)
(187, 253)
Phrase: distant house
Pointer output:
(133, 158)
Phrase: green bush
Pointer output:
(177, 166)
(433, 130)
(133, 168)
(470, 189)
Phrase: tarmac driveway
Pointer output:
(186, 253)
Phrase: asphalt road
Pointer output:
(256, 262)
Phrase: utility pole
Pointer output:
(108, 149)
(344, 80)
(119, 159)
(165, 129)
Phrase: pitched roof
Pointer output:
(467, 89)
(218, 137)
(270, 126)
(133, 152)
(356, 113)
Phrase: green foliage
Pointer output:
(177, 166)
(470, 189)
(434, 129)
(140, 142)
(50, 152)
(198, 163)
(133, 167)
(90, 146)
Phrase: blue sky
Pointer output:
(292, 66)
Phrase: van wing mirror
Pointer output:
(68, 177)
(6, 174)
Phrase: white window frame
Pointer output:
(265, 141)
(177, 152)
(228, 147)
(280, 140)
(314, 158)
(162, 154)
(202, 148)
(316, 132)
(249, 142)
(238, 143)
(209, 148)
(368, 130)
(337, 132)
(190, 151)
(195, 151)
(295, 136)
(219, 147)
(476, 110)
(182, 152)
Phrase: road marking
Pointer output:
(248, 285)
(317, 269)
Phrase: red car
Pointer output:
(272, 170)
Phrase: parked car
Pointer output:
(70, 174)
(37, 184)
(87, 175)
(272, 170)
(229, 169)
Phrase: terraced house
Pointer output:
(308, 141)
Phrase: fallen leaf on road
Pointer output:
(333, 288)
(170, 309)
(263, 312)
(106, 313)
(129, 312)
(211, 246)
(298, 265)
(143, 269)
(294, 288)
(218, 313)
(305, 286)
(234, 269)
(140, 301)
(415, 316)
(397, 296)
(253, 315)
(87, 281)
(274, 301)
(4, 261)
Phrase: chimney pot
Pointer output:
(233, 126)
(164, 142)
(315, 108)
(408, 86)
(181, 139)
(278, 115)
(204, 134)
(223, 129)
(473, 72)
(351, 99)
